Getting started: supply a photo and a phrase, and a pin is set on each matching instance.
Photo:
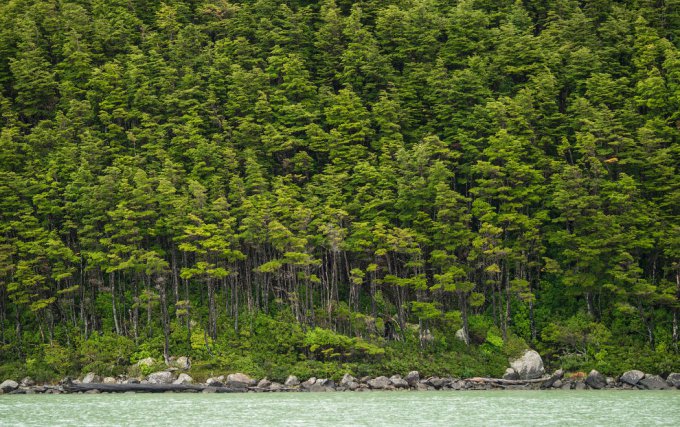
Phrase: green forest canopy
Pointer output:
(338, 179)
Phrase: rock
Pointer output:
(437, 382)
(9, 386)
(556, 376)
(398, 381)
(240, 380)
(461, 335)
(328, 383)
(632, 377)
(91, 377)
(412, 378)
(162, 377)
(510, 374)
(674, 380)
(529, 366)
(27, 382)
(264, 383)
(653, 382)
(557, 384)
(596, 380)
(364, 380)
(215, 381)
(182, 362)
(352, 385)
(183, 379)
(379, 383)
(148, 361)
(309, 383)
(346, 379)
(109, 380)
(209, 390)
(292, 381)
(276, 386)
(611, 382)
(92, 392)
(580, 385)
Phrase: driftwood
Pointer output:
(146, 388)
(506, 382)
(71, 387)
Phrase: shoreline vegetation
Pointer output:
(315, 188)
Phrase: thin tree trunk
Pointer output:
(113, 301)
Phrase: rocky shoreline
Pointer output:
(525, 373)
(169, 381)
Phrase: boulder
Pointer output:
(674, 380)
(412, 378)
(653, 382)
(215, 381)
(461, 335)
(276, 386)
(632, 377)
(529, 366)
(309, 383)
(510, 374)
(162, 377)
(352, 385)
(292, 381)
(556, 376)
(147, 361)
(181, 362)
(91, 377)
(240, 380)
(346, 379)
(557, 384)
(109, 380)
(437, 382)
(596, 380)
(183, 379)
(379, 383)
(328, 383)
(398, 381)
(264, 383)
(579, 385)
(27, 382)
(8, 386)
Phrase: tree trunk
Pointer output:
(113, 301)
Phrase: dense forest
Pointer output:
(319, 187)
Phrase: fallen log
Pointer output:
(146, 388)
(506, 382)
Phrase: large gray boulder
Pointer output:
(653, 382)
(182, 363)
(674, 380)
(8, 386)
(398, 381)
(162, 377)
(379, 383)
(346, 379)
(240, 380)
(91, 377)
(27, 382)
(529, 366)
(264, 383)
(109, 380)
(183, 379)
(412, 378)
(437, 382)
(292, 381)
(632, 377)
(596, 380)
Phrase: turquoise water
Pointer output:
(483, 408)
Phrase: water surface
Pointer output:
(467, 408)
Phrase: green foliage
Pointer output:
(259, 185)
